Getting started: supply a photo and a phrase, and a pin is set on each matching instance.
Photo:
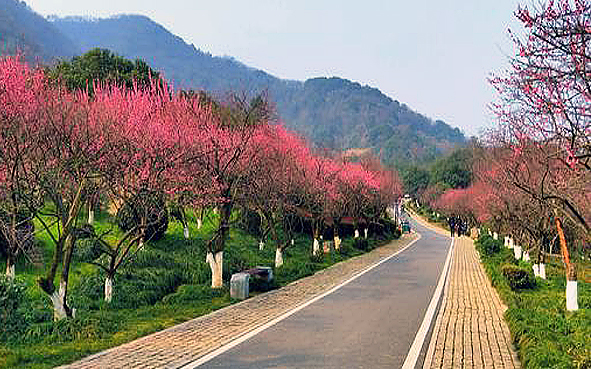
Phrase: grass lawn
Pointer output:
(168, 282)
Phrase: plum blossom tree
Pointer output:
(544, 108)
(144, 130)
(223, 152)
(20, 197)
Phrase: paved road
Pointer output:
(369, 323)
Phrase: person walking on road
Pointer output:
(452, 225)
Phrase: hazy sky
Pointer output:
(433, 55)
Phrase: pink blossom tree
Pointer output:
(545, 104)
(20, 197)
(223, 152)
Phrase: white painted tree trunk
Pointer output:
(495, 236)
(365, 230)
(140, 246)
(199, 223)
(90, 216)
(10, 270)
(536, 268)
(572, 303)
(517, 252)
(337, 243)
(526, 256)
(261, 245)
(511, 243)
(278, 257)
(506, 244)
(57, 299)
(108, 289)
(292, 242)
(186, 231)
(216, 265)
(356, 233)
(542, 270)
(316, 248)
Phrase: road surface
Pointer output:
(370, 322)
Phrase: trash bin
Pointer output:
(405, 227)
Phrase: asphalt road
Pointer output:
(368, 323)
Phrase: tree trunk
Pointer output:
(65, 277)
(356, 233)
(316, 247)
(261, 245)
(572, 303)
(366, 231)
(199, 223)
(90, 215)
(216, 265)
(571, 270)
(517, 252)
(60, 307)
(108, 289)
(337, 243)
(186, 231)
(10, 269)
(278, 257)
(542, 270)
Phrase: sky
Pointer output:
(433, 55)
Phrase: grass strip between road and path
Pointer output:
(546, 335)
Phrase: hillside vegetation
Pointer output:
(333, 112)
(26, 31)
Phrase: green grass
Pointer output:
(546, 335)
(166, 284)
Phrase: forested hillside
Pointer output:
(332, 112)
(24, 30)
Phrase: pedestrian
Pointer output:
(452, 225)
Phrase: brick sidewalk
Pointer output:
(470, 331)
(187, 342)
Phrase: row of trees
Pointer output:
(61, 149)
(533, 171)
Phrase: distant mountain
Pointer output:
(24, 30)
(351, 115)
(331, 112)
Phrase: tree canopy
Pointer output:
(81, 72)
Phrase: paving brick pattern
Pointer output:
(470, 331)
(186, 342)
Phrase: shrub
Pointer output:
(250, 222)
(13, 301)
(517, 277)
(87, 250)
(487, 245)
(148, 205)
(361, 244)
(318, 258)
